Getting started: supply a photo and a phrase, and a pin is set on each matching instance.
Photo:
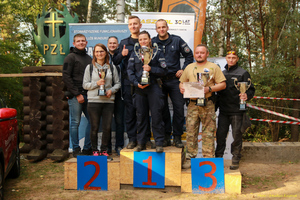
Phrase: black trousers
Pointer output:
(224, 121)
(96, 112)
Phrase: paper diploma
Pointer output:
(193, 90)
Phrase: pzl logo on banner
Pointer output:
(52, 37)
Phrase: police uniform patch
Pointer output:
(163, 64)
(187, 49)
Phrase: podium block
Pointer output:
(233, 181)
(113, 174)
(172, 166)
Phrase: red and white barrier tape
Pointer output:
(273, 112)
(290, 99)
(275, 121)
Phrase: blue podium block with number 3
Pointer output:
(149, 170)
(91, 173)
(207, 175)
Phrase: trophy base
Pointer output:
(243, 107)
(201, 102)
(101, 93)
(145, 81)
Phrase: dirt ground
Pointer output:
(45, 180)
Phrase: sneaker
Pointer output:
(186, 164)
(76, 152)
(131, 145)
(140, 147)
(87, 152)
(159, 149)
(96, 153)
(104, 153)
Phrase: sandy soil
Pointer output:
(45, 180)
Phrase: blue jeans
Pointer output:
(75, 111)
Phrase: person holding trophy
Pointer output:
(209, 78)
(231, 102)
(102, 82)
(146, 66)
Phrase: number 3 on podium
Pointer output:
(207, 175)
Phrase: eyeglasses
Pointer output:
(231, 52)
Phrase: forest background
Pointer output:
(265, 33)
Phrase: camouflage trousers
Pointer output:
(195, 115)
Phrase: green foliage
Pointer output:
(98, 11)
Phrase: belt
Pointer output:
(207, 99)
(165, 78)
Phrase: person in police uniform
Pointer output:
(149, 96)
(173, 47)
(205, 114)
(123, 53)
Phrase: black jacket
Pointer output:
(135, 68)
(118, 57)
(228, 99)
(73, 70)
(172, 49)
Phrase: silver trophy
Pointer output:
(101, 91)
(242, 87)
(145, 54)
(203, 79)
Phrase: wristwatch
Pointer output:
(209, 89)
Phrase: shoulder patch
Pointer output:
(163, 64)
(187, 49)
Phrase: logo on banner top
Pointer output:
(52, 36)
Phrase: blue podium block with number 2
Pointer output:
(149, 170)
(91, 173)
(207, 175)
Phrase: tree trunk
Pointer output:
(120, 11)
(89, 14)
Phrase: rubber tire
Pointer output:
(15, 170)
(1, 182)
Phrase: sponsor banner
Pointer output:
(181, 24)
(98, 33)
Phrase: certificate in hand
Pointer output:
(193, 90)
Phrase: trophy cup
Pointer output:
(203, 79)
(101, 91)
(242, 87)
(145, 54)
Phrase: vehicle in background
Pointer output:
(9, 145)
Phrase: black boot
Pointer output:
(167, 140)
(140, 147)
(131, 145)
(234, 165)
(159, 149)
(177, 141)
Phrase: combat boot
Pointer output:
(159, 149)
(131, 145)
(186, 164)
(177, 141)
(167, 140)
(234, 165)
(140, 147)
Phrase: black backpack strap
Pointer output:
(91, 71)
